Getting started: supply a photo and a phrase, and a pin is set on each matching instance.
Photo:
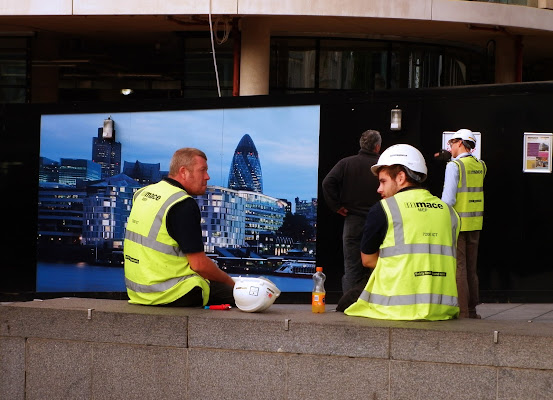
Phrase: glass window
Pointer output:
(353, 65)
(318, 65)
(434, 67)
(14, 69)
(178, 65)
(293, 63)
(199, 79)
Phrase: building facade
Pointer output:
(72, 171)
(109, 51)
(223, 219)
(143, 173)
(106, 210)
(106, 151)
(262, 214)
(60, 214)
(245, 168)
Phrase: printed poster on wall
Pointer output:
(537, 152)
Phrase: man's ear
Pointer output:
(401, 178)
(184, 172)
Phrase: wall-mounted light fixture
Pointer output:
(395, 119)
(126, 92)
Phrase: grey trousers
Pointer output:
(354, 272)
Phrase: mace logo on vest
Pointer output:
(150, 195)
(422, 206)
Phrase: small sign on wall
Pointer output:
(475, 152)
(537, 152)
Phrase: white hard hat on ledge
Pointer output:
(254, 294)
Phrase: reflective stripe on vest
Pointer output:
(402, 248)
(150, 240)
(469, 200)
(409, 299)
(463, 188)
(158, 287)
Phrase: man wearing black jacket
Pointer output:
(350, 190)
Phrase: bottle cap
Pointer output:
(319, 269)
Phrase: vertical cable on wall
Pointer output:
(213, 51)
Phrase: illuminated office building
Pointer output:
(106, 151)
(245, 169)
(263, 213)
(143, 173)
(60, 214)
(48, 170)
(223, 218)
(106, 209)
(72, 171)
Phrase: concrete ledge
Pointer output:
(93, 348)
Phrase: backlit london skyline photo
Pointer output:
(286, 139)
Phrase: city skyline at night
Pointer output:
(152, 137)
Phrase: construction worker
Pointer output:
(410, 239)
(165, 263)
(464, 191)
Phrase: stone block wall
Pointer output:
(108, 349)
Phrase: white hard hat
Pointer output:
(403, 154)
(464, 134)
(254, 294)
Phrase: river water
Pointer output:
(82, 277)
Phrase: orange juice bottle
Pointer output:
(318, 295)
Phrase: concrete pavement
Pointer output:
(516, 311)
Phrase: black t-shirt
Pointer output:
(374, 231)
(376, 226)
(184, 223)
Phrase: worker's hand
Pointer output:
(442, 155)
(342, 211)
(208, 268)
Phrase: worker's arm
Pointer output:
(374, 233)
(207, 269)
(451, 179)
(369, 260)
(332, 186)
(184, 225)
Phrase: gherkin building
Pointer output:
(245, 169)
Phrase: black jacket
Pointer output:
(351, 184)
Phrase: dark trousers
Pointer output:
(219, 293)
(351, 296)
(467, 277)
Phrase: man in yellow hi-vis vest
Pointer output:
(410, 239)
(464, 190)
(165, 263)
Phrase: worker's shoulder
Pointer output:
(361, 158)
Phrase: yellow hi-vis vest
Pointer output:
(156, 270)
(414, 277)
(469, 201)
